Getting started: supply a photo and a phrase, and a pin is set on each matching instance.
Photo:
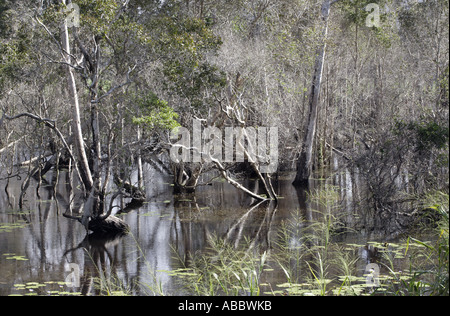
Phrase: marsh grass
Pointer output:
(223, 270)
(314, 262)
(111, 285)
(428, 262)
(306, 250)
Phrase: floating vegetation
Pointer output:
(154, 214)
(48, 288)
(45, 201)
(20, 212)
(13, 256)
(148, 214)
(9, 227)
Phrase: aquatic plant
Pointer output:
(223, 270)
(48, 288)
(429, 268)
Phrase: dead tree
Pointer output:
(88, 160)
(305, 161)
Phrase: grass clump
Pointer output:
(223, 270)
(429, 262)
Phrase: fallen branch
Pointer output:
(224, 173)
(337, 151)
(48, 122)
(233, 182)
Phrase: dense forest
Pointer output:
(98, 88)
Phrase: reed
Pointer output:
(224, 270)
(430, 274)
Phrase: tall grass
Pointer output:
(429, 274)
(224, 270)
(306, 252)
(316, 264)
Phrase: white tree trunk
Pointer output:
(78, 133)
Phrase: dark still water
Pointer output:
(172, 239)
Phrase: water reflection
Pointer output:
(165, 231)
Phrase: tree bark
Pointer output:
(305, 161)
(85, 172)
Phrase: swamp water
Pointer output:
(220, 242)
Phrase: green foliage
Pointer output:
(3, 19)
(105, 19)
(97, 15)
(423, 135)
(430, 273)
(431, 134)
(184, 43)
(355, 15)
(156, 113)
(15, 53)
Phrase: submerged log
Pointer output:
(110, 225)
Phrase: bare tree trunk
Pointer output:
(304, 164)
(96, 159)
(85, 172)
(139, 161)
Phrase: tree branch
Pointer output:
(49, 123)
(63, 51)
(115, 88)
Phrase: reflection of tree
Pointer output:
(99, 263)
(259, 228)
(253, 225)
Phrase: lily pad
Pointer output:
(19, 285)
(35, 285)
(17, 258)
(48, 288)
(9, 227)
(378, 244)
(275, 293)
(292, 285)
(352, 278)
(356, 245)
(148, 214)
